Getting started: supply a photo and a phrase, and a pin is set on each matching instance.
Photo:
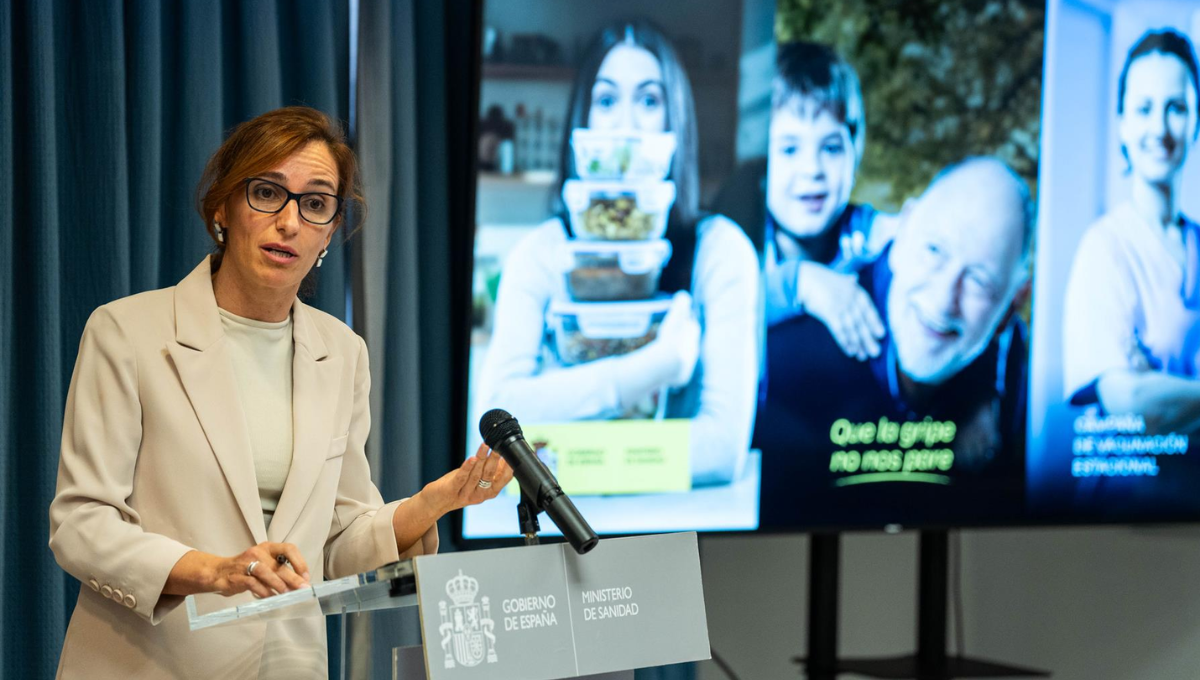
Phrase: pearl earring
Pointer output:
(321, 257)
(220, 232)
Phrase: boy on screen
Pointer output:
(814, 235)
(943, 403)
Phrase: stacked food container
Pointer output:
(617, 211)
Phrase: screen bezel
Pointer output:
(465, 224)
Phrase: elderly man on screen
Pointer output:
(955, 350)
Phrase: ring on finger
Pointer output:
(250, 568)
(484, 484)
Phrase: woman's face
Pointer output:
(629, 93)
(278, 250)
(1158, 122)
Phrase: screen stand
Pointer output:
(931, 662)
(527, 514)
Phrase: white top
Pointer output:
(521, 374)
(262, 362)
(1124, 304)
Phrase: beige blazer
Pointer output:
(156, 461)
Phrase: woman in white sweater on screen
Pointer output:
(706, 351)
(1131, 331)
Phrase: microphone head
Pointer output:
(497, 425)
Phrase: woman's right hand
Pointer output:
(270, 575)
(843, 306)
(666, 361)
(678, 341)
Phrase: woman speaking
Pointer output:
(214, 431)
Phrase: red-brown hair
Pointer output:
(264, 142)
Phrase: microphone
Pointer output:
(502, 434)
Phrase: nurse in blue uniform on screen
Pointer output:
(704, 357)
(1131, 331)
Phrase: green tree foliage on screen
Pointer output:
(941, 80)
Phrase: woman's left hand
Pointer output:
(462, 487)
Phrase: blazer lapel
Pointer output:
(206, 371)
(316, 386)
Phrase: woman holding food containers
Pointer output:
(631, 303)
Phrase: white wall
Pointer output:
(1107, 603)
(1089, 604)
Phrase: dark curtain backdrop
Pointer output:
(414, 110)
(108, 112)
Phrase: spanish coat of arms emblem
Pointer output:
(467, 626)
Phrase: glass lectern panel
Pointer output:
(388, 587)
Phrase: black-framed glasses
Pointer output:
(315, 207)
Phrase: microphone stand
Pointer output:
(527, 514)
(539, 490)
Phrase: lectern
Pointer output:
(529, 613)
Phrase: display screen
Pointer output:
(901, 178)
(840, 265)
(614, 314)
(1116, 318)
